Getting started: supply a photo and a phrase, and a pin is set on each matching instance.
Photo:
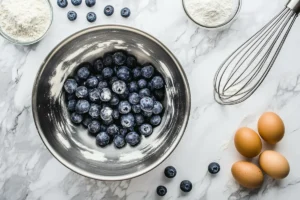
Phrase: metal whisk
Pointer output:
(246, 68)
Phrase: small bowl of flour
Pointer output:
(25, 22)
(212, 14)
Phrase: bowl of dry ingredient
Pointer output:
(25, 22)
(212, 14)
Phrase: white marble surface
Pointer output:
(28, 171)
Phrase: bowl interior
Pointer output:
(72, 145)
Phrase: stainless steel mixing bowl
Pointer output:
(71, 144)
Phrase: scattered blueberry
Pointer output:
(91, 17)
(157, 108)
(109, 10)
(131, 61)
(124, 73)
(94, 95)
(94, 127)
(82, 107)
(124, 107)
(87, 121)
(125, 12)
(119, 87)
(144, 93)
(102, 84)
(136, 108)
(112, 130)
(136, 73)
(62, 3)
(107, 72)
(127, 121)
(214, 168)
(119, 141)
(147, 104)
(107, 60)
(81, 92)
(102, 139)
(94, 111)
(71, 105)
(139, 119)
(119, 58)
(134, 98)
(133, 138)
(142, 83)
(106, 113)
(105, 95)
(92, 82)
(155, 120)
(186, 186)
(70, 86)
(72, 15)
(98, 65)
(146, 129)
(76, 2)
(161, 190)
(133, 86)
(147, 71)
(114, 100)
(157, 82)
(90, 3)
(83, 73)
(76, 118)
(170, 172)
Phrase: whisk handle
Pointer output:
(294, 5)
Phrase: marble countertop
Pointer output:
(28, 171)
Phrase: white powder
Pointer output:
(211, 12)
(25, 20)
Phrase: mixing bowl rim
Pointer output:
(79, 170)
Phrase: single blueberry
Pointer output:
(70, 86)
(76, 2)
(124, 73)
(72, 15)
(87, 121)
(123, 131)
(94, 127)
(90, 3)
(107, 60)
(147, 114)
(92, 82)
(102, 139)
(161, 190)
(112, 130)
(157, 108)
(119, 87)
(142, 83)
(112, 80)
(91, 17)
(131, 61)
(82, 107)
(116, 114)
(71, 105)
(133, 138)
(136, 73)
(159, 94)
(76, 118)
(139, 119)
(119, 58)
(102, 84)
(170, 172)
(124, 107)
(186, 186)
(105, 95)
(144, 93)
(147, 104)
(94, 111)
(146, 129)
(125, 95)
(127, 121)
(134, 98)
(107, 72)
(114, 100)
(81, 92)
(98, 65)
(125, 12)
(94, 95)
(147, 71)
(62, 3)
(136, 108)
(83, 73)
(155, 120)
(214, 168)
(133, 86)
(106, 113)
(157, 82)
(119, 141)
(109, 10)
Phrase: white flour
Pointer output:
(211, 12)
(24, 20)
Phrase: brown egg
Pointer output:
(247, 174)
(247, 142)
(274, 164)
(270, 127)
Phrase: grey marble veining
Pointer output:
(29, 172)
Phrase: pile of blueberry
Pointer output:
(116, 99)
(91, 16)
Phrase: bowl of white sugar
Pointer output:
(212, 14)
(25, 22)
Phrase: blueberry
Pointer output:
(136, 73)
(170, 172)
(90, 3)
(147, 114)
(123, 131)
(112, 80)
(119, 87)
(102, 139)
(70, 97)
(116, 114)
(91, 17)
(76, 2)
(127, 121)
(131, 61)
(136, 108)
(161, 190)
(106, 113)
(142, 83)
(71, 105)
(133, 138)
(86, 121)
(133, 86)
(146, 129)
(124, 107)
(159, 94)
(94, 95)
(83, 73)
(94, 127)
(107, 60)
(125, 95)
(109, 10)
(134, 98)
(125, 12)
(92, 82)
(186, 186)
(147, 104)
(214, 168)
(102, 84)
(82, 106)
(94, 111)
(76, 118)
(119, 58)
(62, 3)
(107, 72)
(114, 100)
(112, 130)
(158, 107)
(70, 86)
(157, 82)
(105, 95)
(103, 128)
(144, 93)
(81, 92)
(119, 141)
(147, 71)
(98, 65)
(124, 73)
(155, 120)
(72, 15)
(139, 119)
